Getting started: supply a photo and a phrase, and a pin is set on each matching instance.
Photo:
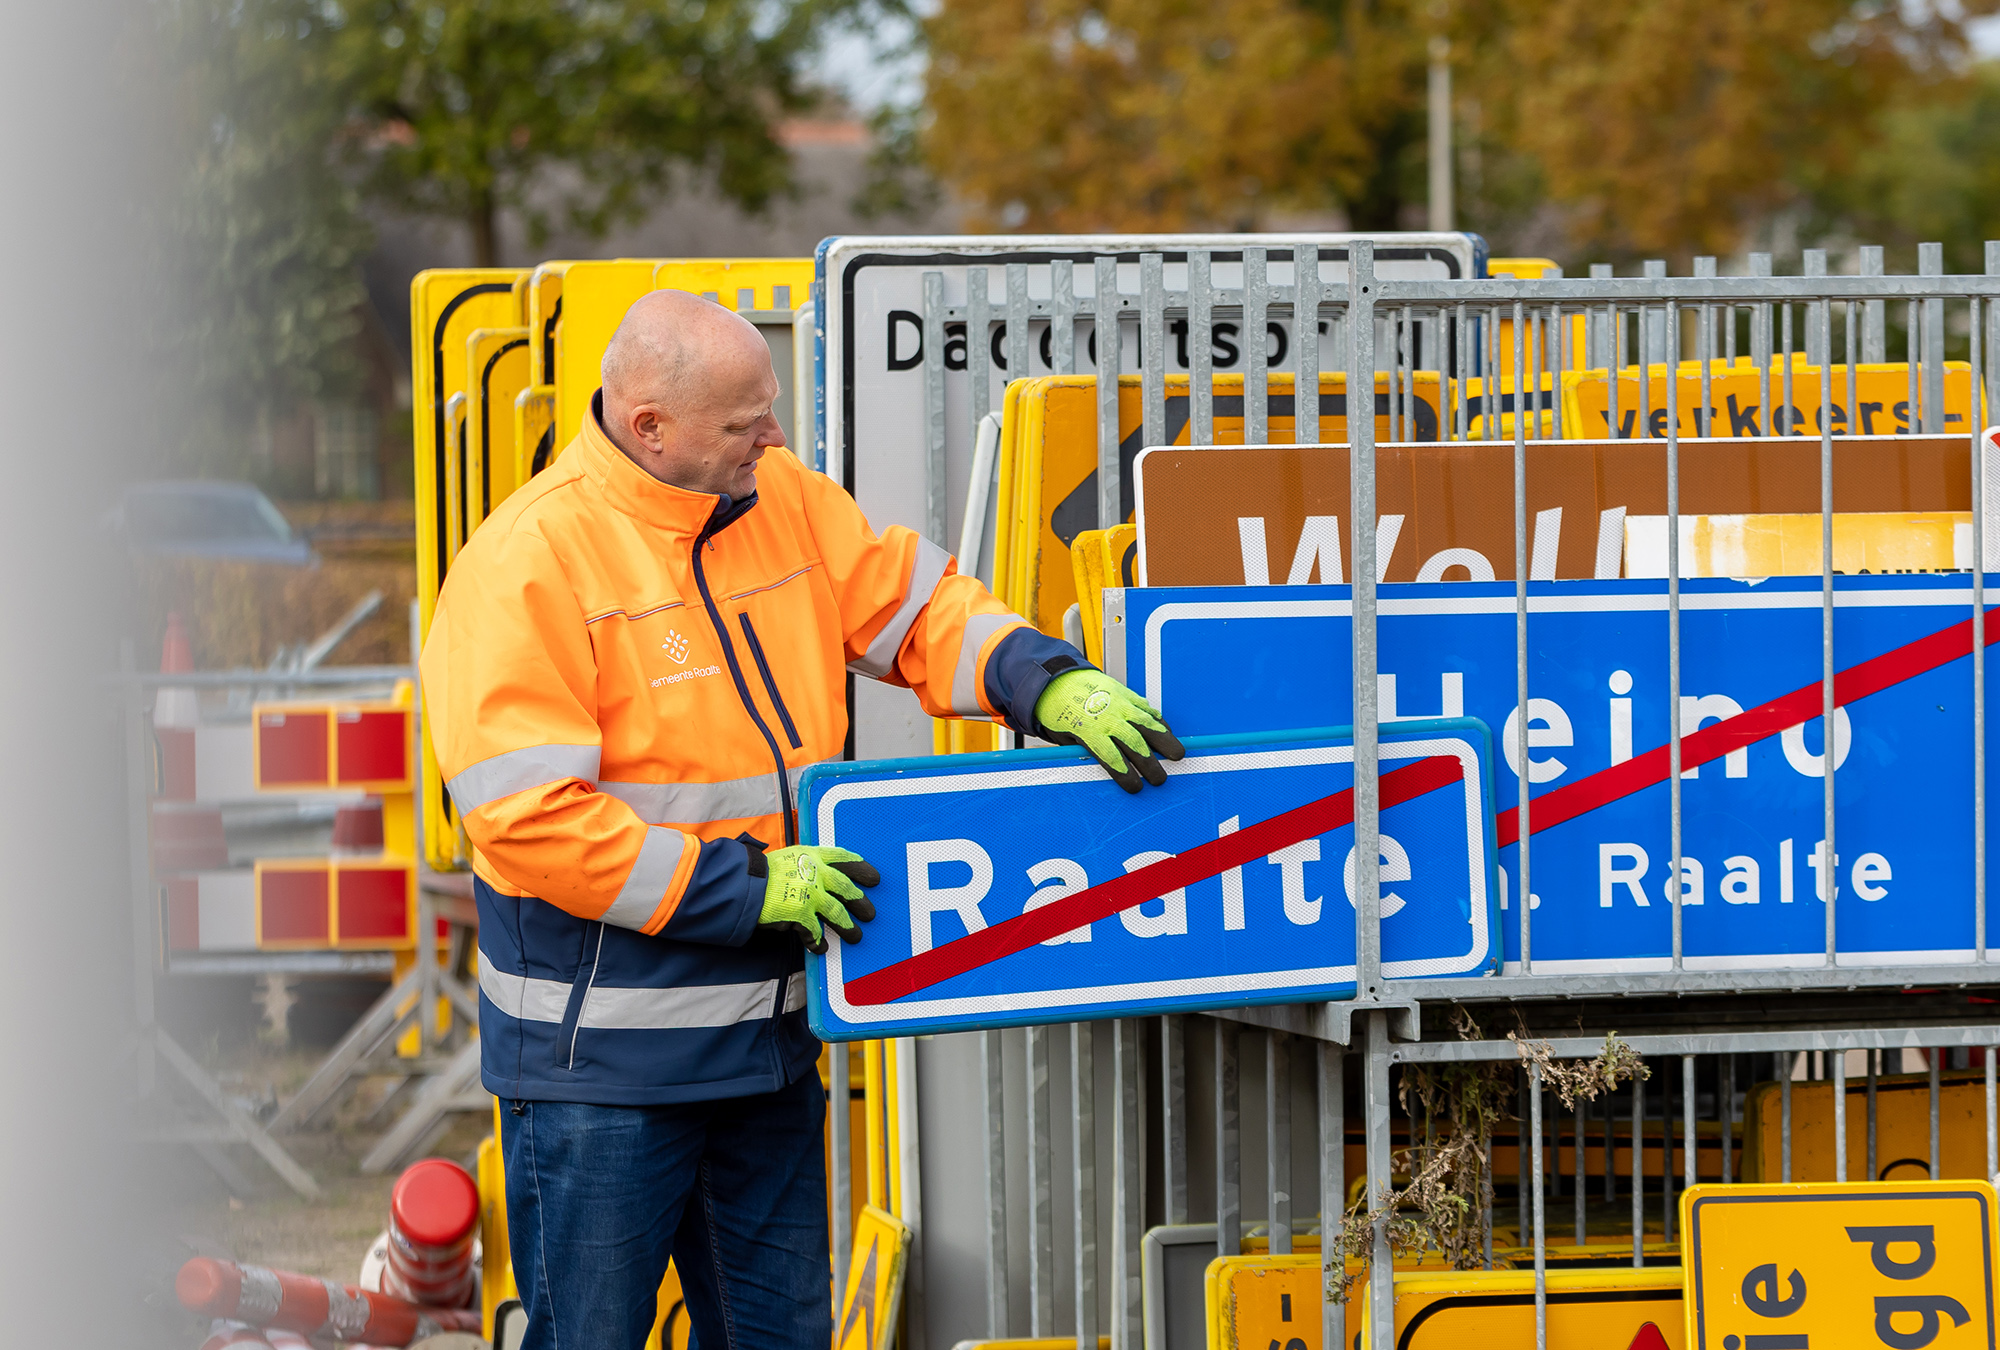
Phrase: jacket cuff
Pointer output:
(1020, 668)
(722, 901)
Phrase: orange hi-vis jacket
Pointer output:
(622, 682)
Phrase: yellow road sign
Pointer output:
(595, 296)
(1883, 405)
(1902, 1129)
(1904, 1265)
(542, 311)
(452, 492)
(874, 1293)
(740, 283)
(534, 431)
(1495, 1310)
(1255, 1303)
(497, 359)
(446, 306)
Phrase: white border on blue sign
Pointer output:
(1085, 999)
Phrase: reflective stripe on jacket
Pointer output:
(621, 678)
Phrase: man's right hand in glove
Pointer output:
(806, 887)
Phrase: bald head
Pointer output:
(688, 389)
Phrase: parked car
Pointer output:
(206, 518)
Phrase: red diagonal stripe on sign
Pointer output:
(1148, 883)
(1855, 683)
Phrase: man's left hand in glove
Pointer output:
(1087, 707)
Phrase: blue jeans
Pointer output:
(733, 1191)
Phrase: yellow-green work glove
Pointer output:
(1088, 708)
(806, 886)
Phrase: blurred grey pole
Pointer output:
(1440, 128)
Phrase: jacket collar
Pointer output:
(677, 511)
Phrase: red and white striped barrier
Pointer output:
(284, 1301)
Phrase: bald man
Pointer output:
(631, 662)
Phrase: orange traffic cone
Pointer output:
(174, 706)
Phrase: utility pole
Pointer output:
(1440, 129)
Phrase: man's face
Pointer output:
(712, 440)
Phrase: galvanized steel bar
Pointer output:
(1785, 408)
(1367, 737)
(1819, 346)
(840, 1147)
(1083, 1175)
(1610, 1149)
(1104, 328)
(1256, 349)
(1690, 1166)
(1992, 1117)
(1018, 309)
(1152, 349)
(1676, 875)
(1830, 747)
(1656, 320)
(1541, 1237)
(1614, 323)
(1228, 1144)
(1278, 1140)
(1937, 1155)
(1913, 354)
(1201, 349)
(1375, 1120)
(1463, 406)
(1174, 1116)
(1128, 1201)
(1332, 1193)
(1982, 383)
(1524, 769)
(1930, 263)
(1062, 316)
(1707, 1042)
(1838, 1064)
(1563, 359)
(1726, 1090)
(935, 487)
(1403, 377)
(1760, 346)
(1305, 325)
(1041, 1190)
(1851, 325)
(1785, 1119)
(993, 1085)
(1667, 1158)
(1874, 1073)
(1638, 1142)
(1875, 316)
(978, 355)
(1580, 1188)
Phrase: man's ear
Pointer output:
(647, 426)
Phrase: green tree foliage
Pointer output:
(1932, 173)
(266, 235)
(571, 111)
(1649, 126)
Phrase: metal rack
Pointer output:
(1749, 1025)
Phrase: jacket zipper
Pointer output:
(770, 684)
(743, 686)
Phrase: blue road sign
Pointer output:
(1755, 869)
(1025, 886)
